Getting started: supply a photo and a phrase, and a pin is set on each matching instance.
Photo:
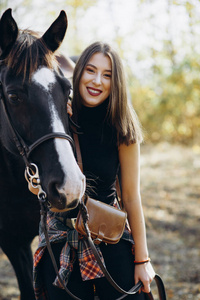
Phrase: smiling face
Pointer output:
(95, 82)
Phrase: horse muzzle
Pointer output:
(67, 198)
(62, 205)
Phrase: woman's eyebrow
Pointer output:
(91, 65)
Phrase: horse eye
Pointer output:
(14, 98)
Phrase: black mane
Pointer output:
(28, 53)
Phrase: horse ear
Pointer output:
(8, 33)
(54, 36)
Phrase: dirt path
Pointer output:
(170, 181)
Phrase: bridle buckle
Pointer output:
(32, 177)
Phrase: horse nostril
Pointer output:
(66, 195)
(53, 189)
(62, 198)
(56, 197)
(62, 201)
(59, 201)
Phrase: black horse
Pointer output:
(34, 135)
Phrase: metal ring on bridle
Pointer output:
(29, 168)
(42, 196)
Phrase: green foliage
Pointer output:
(84, 4)
(168, 101)
(162, 59)
(170, 109)
(3, 5)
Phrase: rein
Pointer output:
(43, 213)
(32, 176)
(135, 288)
(85, 216)
(83, 209)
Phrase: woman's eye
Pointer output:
(14, 98)
(90, 70)
(107, 75)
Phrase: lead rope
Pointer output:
(137, 287)
(43, 213)
(33, 178)
(34, 185)
(34, 175)
(134, 289)
(83, 209)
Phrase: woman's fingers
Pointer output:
(146, 287)
(69, 108)
(146, 274)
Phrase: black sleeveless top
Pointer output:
(99, 151)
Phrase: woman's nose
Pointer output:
(97, 79)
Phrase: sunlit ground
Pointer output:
(170, 177)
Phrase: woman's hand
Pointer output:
(146, 274)
(69, 108)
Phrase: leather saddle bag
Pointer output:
(106, 223)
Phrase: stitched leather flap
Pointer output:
(105, 222)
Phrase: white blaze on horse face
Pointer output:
(74, 176)
(45, 78)
(74, 181)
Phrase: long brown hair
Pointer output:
(120, 113)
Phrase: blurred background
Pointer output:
(159, 42)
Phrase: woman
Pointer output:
(111, 138)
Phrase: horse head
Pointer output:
(33, 118)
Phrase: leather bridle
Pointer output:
(24, 149)
(32, 174)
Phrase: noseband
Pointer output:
(24, 149)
